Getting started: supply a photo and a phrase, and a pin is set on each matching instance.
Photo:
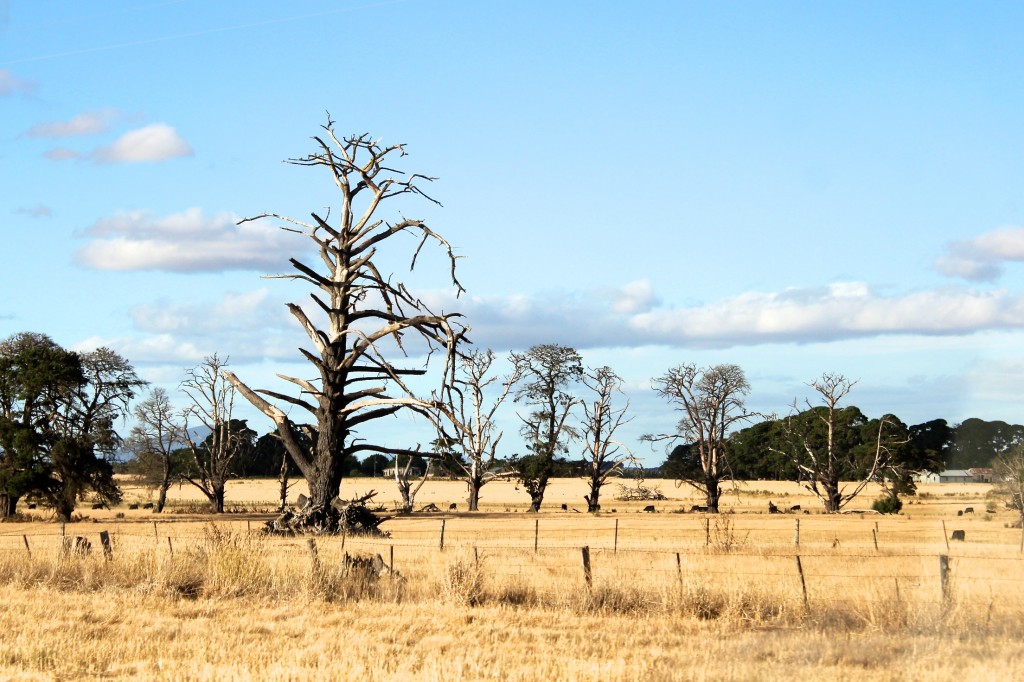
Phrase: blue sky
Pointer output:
(792, 187)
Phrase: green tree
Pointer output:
(548, 373)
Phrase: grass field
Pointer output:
(671, 596)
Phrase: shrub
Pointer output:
(888, 505)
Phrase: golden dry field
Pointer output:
(671, 596)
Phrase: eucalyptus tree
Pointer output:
(467, 424)
(362, 321)
(548, 373)
(603, 455)
(712, 402)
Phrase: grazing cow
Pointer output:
(959, 535)
(565, 507)
(698, 508)
(453, 507)
(959, 512)
(969, 510)
(795, 508)
(133, 506)
(148, 505)
(772, 509)
(98, 505)
(650, 508)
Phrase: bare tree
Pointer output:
(469, 428)
(824, 455)
(712, 402)
(603, 455)
(153, 441)
(548, 371)
(1008, 474)
(409, 487)
(368, 318)
(212, 402)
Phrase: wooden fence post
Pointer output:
(27, 548)
(796, 533)
(944, 578)
(391, 559)
(536, 534)
(944, 535)
(586, 568)
(874, 536)
(156, 534)
(170, 545)
(615, 549)
(442, 536)
(108, 552)
(803, 583)
(679, 569)
(707, 532)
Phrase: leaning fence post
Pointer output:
(170, 545)
(874, 536)
(586, 567)
(441, 542)
(27, 548)
(108, 552)
(944, 535)
(803, 583)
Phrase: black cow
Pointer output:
(969, 510)
(650, 508)
(772, 509)
(453, 507)
(959, 535)
(698, 508)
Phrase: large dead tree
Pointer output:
(360, 321)
(469, 429)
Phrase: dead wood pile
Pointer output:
(349, 517)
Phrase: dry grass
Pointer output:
(673, 596)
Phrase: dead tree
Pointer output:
(368, 319)
(604, 456)
(469, 428)
(153, 441)
(408, 487)
(820, 454)
(712, 402)
(212, 401)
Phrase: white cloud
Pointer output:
(11, 84)
(186, 242)
(86, 123)
(155, 142)
(62, 154)
(982, 258)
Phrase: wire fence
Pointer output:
(809, 560)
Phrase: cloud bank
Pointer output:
(185, 242)
(982, 258)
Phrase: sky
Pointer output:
(795, 188)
